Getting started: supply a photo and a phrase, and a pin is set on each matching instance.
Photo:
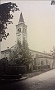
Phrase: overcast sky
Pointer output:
(39, 16)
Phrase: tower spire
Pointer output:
(21, 18)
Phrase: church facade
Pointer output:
(39, 60)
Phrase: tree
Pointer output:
(53, 52)
(5, 17)
(52, 2)
(21, 55)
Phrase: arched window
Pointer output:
(19, 29)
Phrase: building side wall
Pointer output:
(42, 59)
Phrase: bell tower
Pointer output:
(21, 30)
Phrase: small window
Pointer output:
(42, 62)
(19, 29)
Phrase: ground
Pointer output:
(44, 81)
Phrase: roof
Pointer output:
(41, 52)
(21, 18)
(41, 55)
(7, 50)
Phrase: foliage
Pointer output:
(52, 2)
(21, 56)
(5, 17)
(53, 52)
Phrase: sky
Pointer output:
(39, 16)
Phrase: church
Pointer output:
(39, 60)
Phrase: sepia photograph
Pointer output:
(27, 44)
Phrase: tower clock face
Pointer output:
(19, 29)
